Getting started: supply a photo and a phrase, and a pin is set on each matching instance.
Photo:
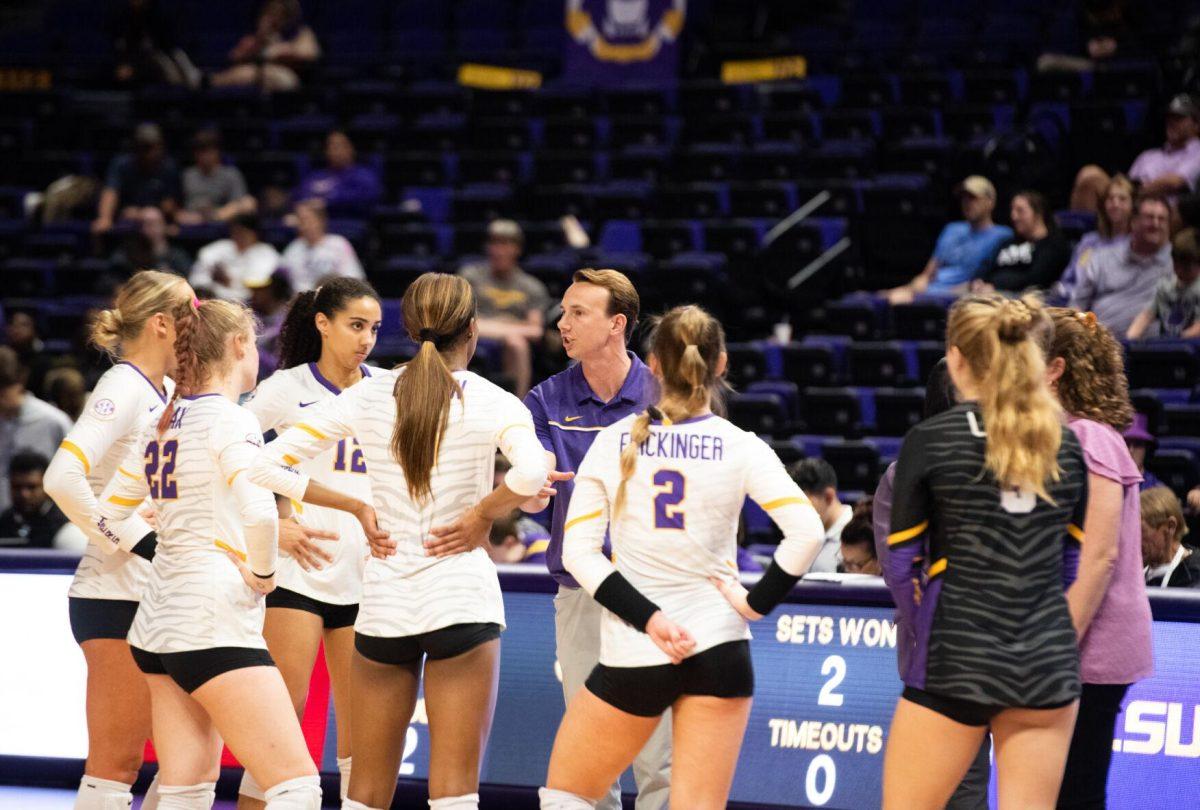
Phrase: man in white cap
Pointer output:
(964, 249)
(512, 303)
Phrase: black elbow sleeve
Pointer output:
(146, 547)
(772, 589)
(618, 595)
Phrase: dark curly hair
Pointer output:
(299, 340)
(1093, 384)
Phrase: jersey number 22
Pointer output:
(160, 469)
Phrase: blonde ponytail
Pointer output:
(438, 310)
(1020, 415)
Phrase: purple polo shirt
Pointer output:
(567, 416)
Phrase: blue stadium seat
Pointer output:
(747, 364)
(771, 199)
(1177, 468)
(879, 364)
(809, 365)
(1181, 420)
(832, 411)
(855, 462)
(1172, 366)
(664, 239)
(759, 413)
(400, 271)
(919, 321)
(898, 409)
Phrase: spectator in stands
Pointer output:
(516, 538)
(66, 389)
(1166, 172)
(33, 521)
(273, 57)
(21, 335)
(347, 188)
(150, 249)
(1169, 563)
(1175, 310)
(269, 299)
(1141, 444)
(1119, 282)
(26, 422)
(512, 303)
(1034, 257)
(145, 47)
(1086, 370)
(212, 189)
(1107, 29)
(1113, 221)
(857, 553)
(819, 481)
(963, 249)
(146, 177)
(315, 253)
(224, 267)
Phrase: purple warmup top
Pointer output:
(1116, 648)
(567, 416)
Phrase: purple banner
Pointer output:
(618, 42)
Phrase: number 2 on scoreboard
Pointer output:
(667, 512)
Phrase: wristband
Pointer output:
(262, 576)
(771, 589)
(618, 595)
(147, 546)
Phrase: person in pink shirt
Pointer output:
(1169, 171)
(1107, 598)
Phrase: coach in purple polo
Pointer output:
(607, 383)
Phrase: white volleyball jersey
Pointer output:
(412, 592)
(678, 525)
(282, 400)
(194, 472)
(111, 423)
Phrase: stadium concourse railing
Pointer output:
(826, 685)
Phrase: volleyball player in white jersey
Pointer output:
(429, 434)
(669, 484)
(323, 346)
(138, 332)
(197, 634)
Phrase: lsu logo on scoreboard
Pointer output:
(1157, 727)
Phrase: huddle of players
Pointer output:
(673, 635)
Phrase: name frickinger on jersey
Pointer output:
(671, 444)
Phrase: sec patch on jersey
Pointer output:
(104, 408)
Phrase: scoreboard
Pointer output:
(826, 686)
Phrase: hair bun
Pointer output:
(1015, 318)
(106, 329)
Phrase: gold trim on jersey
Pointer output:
(229, 481)
(778, 502)
(582, 428)
(1075, 532)
(583, 519)
(500, 438)
(221, 544)
(74, 450)
(290, 460)
(119, 501)
(938, 567)
(907, 534)
(128, 474)
(311, 431)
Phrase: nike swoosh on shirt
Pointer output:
(569, 419)
(306, 404)
(155, 408)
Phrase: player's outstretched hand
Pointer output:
(300, 543)
(382, 544)
(669, 637)
(467, 533)
(540, 501)
(735, 594)
(260, 585)
(150, 515)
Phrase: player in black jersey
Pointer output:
(988, 500)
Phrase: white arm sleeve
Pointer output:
(268, 403)
(769, 485)
(235, 454)
(111, 413)
(519, 444)
(587, 519)
(274, 467)
(116, 521)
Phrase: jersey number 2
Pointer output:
(667, 512)
(160, 470)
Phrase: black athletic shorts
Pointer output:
(100, 618)
(967, 712)
(724, 671)
(435, 645)
(334, 616)
(193, 669)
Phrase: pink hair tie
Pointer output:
(195, 303)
